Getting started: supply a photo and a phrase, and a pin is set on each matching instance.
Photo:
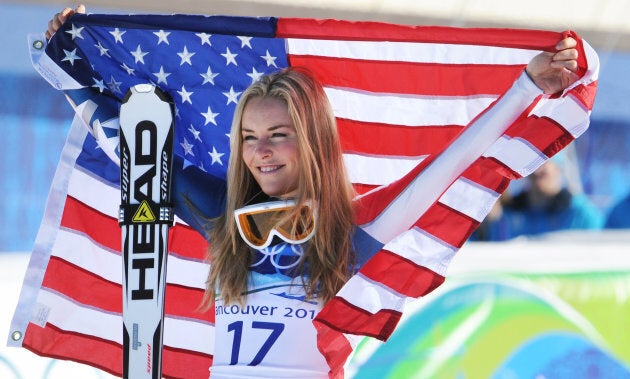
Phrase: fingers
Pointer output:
(567, 55)
(566, 43)
(59, 18)
(570, 65)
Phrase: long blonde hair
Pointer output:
(323, 181)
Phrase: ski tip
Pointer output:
(144, 88)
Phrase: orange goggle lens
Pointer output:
(259, 223)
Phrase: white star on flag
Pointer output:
(102, 50)
(161, 75)
(195, 133)
(113, 85)
(216, 156)
(185, 56)
(99, 84)
(271, 60)
(210, 117)
(162, 36)
(187, 147)
(255, 75)
(118, 35)
(229, 57)
(245, 41)
(209, 76)
(129, 70)
(205, 38)
(185, 95)
(232, 96)
(75, 32)
(71, 56)
(138, 54)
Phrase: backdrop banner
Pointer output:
(524, 309)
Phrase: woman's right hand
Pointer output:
(59, 18)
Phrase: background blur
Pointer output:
(34, 117)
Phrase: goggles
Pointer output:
(259, 223)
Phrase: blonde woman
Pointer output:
(284, 147)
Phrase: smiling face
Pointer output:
(270, 146)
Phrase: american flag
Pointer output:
(405, 98)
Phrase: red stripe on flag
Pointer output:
(543, 133)
(101, 228)
(489, 173)
(340, 315)
(363, 188)
(334, 347)
(437, 79)
(185, 302)
(447, 224)
(187, 242)
(401, 275)
(394, 140)
(83, 286)
(378, 31)
(92, 290)
(107, 355)
(59, 344)
(105, 231)
(185, 364)
(500, 168)
(585, 94)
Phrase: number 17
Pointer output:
(237, 328)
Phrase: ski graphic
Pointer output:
(146, 148)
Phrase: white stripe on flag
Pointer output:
(186, 272)
(70, 316)
(574, 117)
(98, 194)
(78, 249)
(378, 170)
(410, 52)
(423, 249)
(469, 198)
(371, 296)
(394, 109)
(516, 153)
(188, 334)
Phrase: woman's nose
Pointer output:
(263, 147)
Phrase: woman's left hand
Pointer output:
(554, 72)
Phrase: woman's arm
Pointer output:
(197, 196)
(391, 211)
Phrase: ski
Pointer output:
(146, 148)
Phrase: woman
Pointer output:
(284, 147)
(282, 230)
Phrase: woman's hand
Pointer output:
(554, 72)
(59, 18)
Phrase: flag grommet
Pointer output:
(38, 44)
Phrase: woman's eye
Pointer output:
(249, 138)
